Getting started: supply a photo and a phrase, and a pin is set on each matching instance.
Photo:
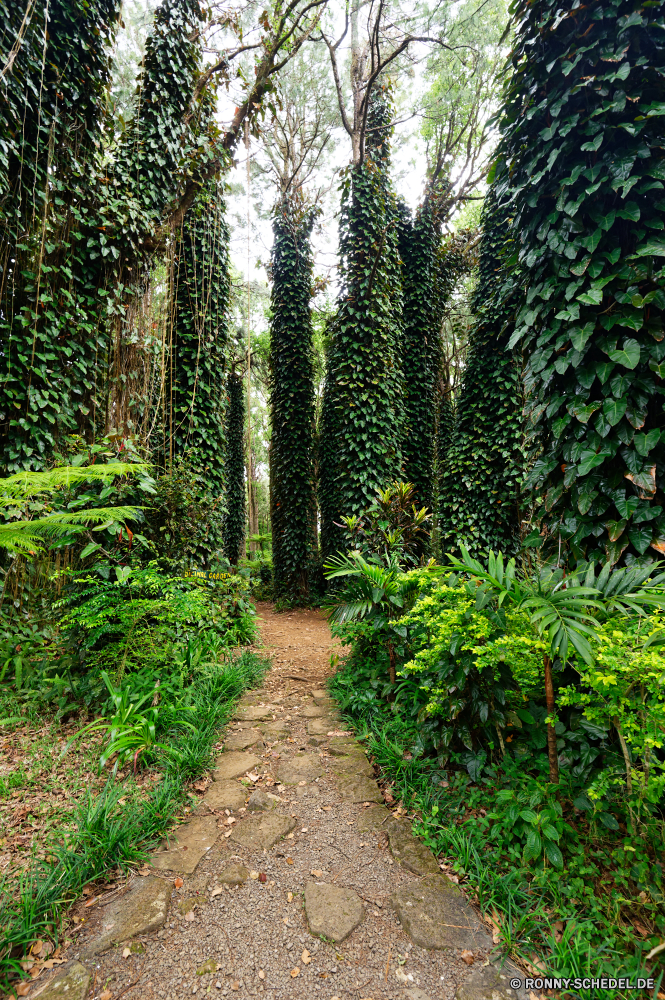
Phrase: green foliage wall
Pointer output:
(80, 226)
(292, 402)
(363, 394)
(479, 497)
(50, 123)
(582, 161)
(236, 495)
(420, 356)
(202, 280)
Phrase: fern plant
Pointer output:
(26, 536)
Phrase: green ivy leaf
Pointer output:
(628, 356)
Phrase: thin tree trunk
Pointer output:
(552, 752)
(393, 672)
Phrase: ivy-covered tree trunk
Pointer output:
(292, 402)
(418, 244)
(363, 404)
(583, 162)
(236, 497)
(479, 502)
(51, 113)
(201, 295)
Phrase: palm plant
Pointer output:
(25, 537)
(379, 592)
(560, 609)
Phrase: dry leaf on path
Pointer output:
(262, 974)
(316, 873)
(217, 891)
(106, 995)
(289, 897)
(467, 956)
(295, 972)
(235, 985)
(189, 915)
(263, 877)
(305, 958)
(22, 989)
(178, 883)
(254, 875)
(289, 861)
(126, 952)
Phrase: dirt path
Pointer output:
(293, 880)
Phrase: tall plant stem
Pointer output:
(551, 732)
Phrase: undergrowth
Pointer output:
(597, 917)
(110, 835)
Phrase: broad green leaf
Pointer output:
(614, 409)
(628, 355)
(553, 854)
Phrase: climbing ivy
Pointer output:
(582, 161)
(292, 401)
(234, 521)
(419, 240)
(50, 121)
(199, 339)
(363, 395)
(479, 486)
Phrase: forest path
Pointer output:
(292, 881)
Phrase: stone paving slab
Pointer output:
(492, 982)
(191, 842)
(355, 763)
(314, 711)
(411, 853)
(302, 767)
(320, 727)
(233, 875)
(357, 789)
(225, 795)
(435, 914)
(332, 910)
(141, 910)
(414, 994)
(234, 764)
(71, 982)
(376, 818)
(275, 730)
(261, 831)
(253, 713)
(242, 740)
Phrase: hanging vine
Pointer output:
(234, 521)
(582, 161)
(292, 401)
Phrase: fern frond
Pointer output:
(23, 485)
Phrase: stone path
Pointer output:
(292, 880)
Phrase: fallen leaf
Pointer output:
(289, 861)
(295, 972)
(235, 985)
(217, 891)
(305, 958)
(326, 809)
(228, 833)
(262, 974)
(289, 836)
(301, 784)
(316, 873)
(189, 916)
(254, 875)
(37, 948)
(263, 877)
(106, 995)
(91, 902)
(558, 930)
(126, 952)
(304, 829)
(22, 989)
(178, 883)
(289, 897)
(467, 956)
